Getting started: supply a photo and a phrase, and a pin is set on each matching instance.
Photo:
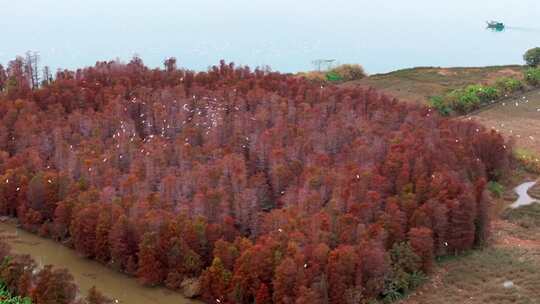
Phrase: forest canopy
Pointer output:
(265, 186)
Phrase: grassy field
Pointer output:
(418, 84)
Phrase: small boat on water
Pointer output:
(495, 25)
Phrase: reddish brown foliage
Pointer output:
(422, 243)
(159, 172)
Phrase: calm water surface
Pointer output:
(88, 273)
(287, 35)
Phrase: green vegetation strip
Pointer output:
(472, 97)
(7, 298)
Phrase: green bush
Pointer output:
(484, 93)
(495, 188)
(438, 102)
(463, 100)
(532, 76)
(507, 85)
(532, 57)
(333, 76)
(466, 100)
(347, 72)
(474, 96)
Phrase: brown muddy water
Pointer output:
(87, 273)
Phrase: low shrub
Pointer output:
(465, 100)
(485, 93)
(333, 77)
(496, 189)
(472, 97)
(532, 76)
(346, 72)
(507, 85)
(438, 102)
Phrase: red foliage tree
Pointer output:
(285, 285)
(421, 240)
(54, 286)
(83, 230)
(341, 270)
(215, 282)
(151, 269)
(263, 295)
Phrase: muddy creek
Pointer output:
(87, 273)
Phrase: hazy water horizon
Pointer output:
(284, 35)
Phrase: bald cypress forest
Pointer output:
(262, 187)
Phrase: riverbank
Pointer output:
(86, 273)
